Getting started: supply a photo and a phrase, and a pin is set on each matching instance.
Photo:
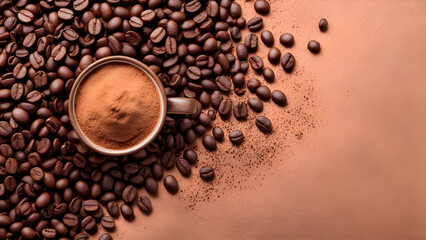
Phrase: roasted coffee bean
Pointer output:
(158, 35)
(262, 7)
(49, 233)
(255, 24)
(151, 185)
(235, 10)
(127, 211)
(223, 83)
(236, 137)
(88, 223)
(264, 124)
(241, 51)
(255, 104)
(65, 14)
(268, 74)
(37, 173)
(251, 42)
(209, 142)
(207, 173)
(5, 129)
(225, 108)
(91, 205)
(256, 63)
(112, 208)
(144, 204)
(218, 133)
(80, 5)
(129, 194)
(20, 116)
(171, 184)
(81, 236)
(274, 55)
(29, 40)
(20, 71)
(314, 46)
(94, 26)
(70, 220)
(287, 62)
(287, 40)
(253, 84)
(267, 38)
(190, 155)
(279, 98)
(108, 222)
(323, 25)
(105, 236)
(264, 93)
(240, 110)
(168, 159)
(25, 16)
(75, 205)
(183, 167)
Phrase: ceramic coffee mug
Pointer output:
(171, 105)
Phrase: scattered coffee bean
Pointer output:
(255, 24)
(274, 55)
(236, 137)
(144, 204)
(105, 236)
(287, 62)
(218, 133)
(256, 63)
(127, 212)
(253, 84)
(251, 42)
(264, 124)
(264, 93)
(183, 167)
(267, 38)
(287, 40)
(268, 74)
(314, 46)
(209, 143)
(240, 110)
(108, 222)
(112, 208)
(323, 25)
(171, 184)
(255, 104)
(190, 155)
(279, 98)
(262, 7)
(207, 173)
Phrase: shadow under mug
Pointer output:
(171, 105)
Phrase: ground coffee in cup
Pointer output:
(117, 106)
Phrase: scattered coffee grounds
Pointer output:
(52, 185)
(117, 106)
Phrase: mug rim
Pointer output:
(83, 77)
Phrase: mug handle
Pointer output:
(181, 105)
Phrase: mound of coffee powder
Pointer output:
(117, 106)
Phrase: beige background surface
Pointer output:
(347, 159)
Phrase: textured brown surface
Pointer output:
(347, 157)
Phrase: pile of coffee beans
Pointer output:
(52, 185)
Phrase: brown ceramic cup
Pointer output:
(171, 105)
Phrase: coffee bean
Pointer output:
(26, 232)
(151, 185)
(168, 159)
(223, 83)
(264, 124)
(204, 120)
(268, 74)
(235, 10)
(94, 26)
(34, 96)
(253, 84)
(274, 55)
(267, 38)
(218, 133)
(105, 236)
(108, 222)
(323, 25)
(240, 110)
(255, 104)
(144, 204)
(20, 116)
(70, 220)
(37, 173)
(25, 16)
(129, 194)
(256, 63)
(88, 223)
(183, 167)
(75, 205)
(193, 73)
(287, 40)
(49, 233)
(81, 236)
(225, 108)
(91, 205)
(80, 5)
(59, 52)
(236, 137)
(314, 46)
(158, 35)
(287, 62)
(251, 42)
(264, 93)
(127, 211)
(279, 98)
(207, 173)
(112, 208)
(255, 24)
(209, 143)
(5, 129)
(190, 155)
(65, 14)
(262, 7)
(29, 40)
(20, 71)
(171, 184)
